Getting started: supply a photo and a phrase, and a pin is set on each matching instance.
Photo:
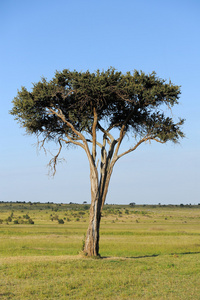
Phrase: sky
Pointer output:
(41, 36)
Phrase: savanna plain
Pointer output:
(147, 252)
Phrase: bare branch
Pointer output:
(114, 126)
(94, 134)
(106, 132)
(62, 117)
(98, 144)
(122, 133)
(40, 144)
(53, 162)
(144, 139)
(72, 142)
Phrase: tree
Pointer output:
(96, 111)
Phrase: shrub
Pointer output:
(26, 216)
(30, 221)
(86, 207)
(60, 221)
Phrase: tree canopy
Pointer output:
(130, 100)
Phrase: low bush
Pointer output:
(60, 221)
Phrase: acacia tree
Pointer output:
(95, 111)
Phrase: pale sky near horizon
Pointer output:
(40, 37)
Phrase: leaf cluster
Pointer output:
(133, 100)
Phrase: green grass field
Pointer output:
(148, 252)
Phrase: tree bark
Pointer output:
(98, 196)
(91, 247)
(92, 237)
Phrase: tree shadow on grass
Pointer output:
(129, 257)
(185, 253)
(144, 256)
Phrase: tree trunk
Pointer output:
(91, 247)
(98, 196)
(92, 237)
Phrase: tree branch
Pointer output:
(98, 144)
(122, 133)
(62, 117)
(94, 126)
(144, 139)
(70, 141)
(106, 133)
(84, 145)
(53, 162)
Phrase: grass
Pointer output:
(162, 277)
(149, 252)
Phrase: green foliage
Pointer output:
(61, 221)
(26, 216)
(9, 219)
(55, 217)
(134, 99)
(30, 221)
(86, 207)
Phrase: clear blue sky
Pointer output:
(39, 37)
